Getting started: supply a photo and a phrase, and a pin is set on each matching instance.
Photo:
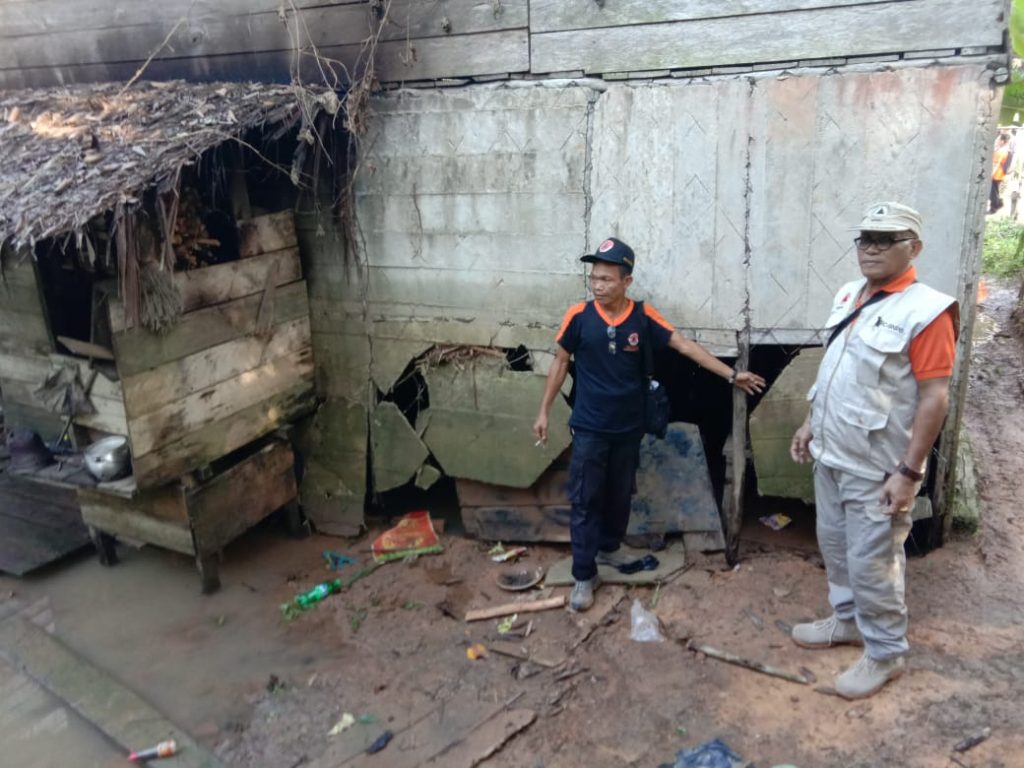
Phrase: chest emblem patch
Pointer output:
(634, 339)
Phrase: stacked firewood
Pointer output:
(191, 240)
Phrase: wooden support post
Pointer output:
(209, 575)
(295, 522)
(732, 504)
(105, 546)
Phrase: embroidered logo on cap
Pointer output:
(881, 210)
(607, 245)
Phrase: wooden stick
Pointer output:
(756, 666)
(509, 608)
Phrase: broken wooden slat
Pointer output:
(224, 282)
(739, 661)
(266, 234)
(85, 348)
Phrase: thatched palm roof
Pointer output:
(70, 153)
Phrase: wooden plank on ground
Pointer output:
(235, 500)
(139, 350)
(147, 391)
(117, 711)
(215, 403)
(810, 34)
(219, 438)
(264, 234)
(157, 517)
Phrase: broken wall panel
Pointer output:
(779, 414)
(397, 452)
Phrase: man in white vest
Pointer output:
(876, 410)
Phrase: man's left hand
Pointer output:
(749, 382)
(898, 494)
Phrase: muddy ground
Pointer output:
(260, 691)
(395, 654)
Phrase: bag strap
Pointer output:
(646, 339)
(841, 326)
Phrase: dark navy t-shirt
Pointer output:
(609, 385)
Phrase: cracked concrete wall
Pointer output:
(475, 204)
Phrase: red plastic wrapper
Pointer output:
(413, 535)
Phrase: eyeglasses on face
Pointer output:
(881, 242)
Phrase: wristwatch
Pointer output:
(906, 471)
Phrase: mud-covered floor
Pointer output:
(260, 691)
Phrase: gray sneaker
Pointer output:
(622, 556)
(827, 632)
(868, 675)
(582, 596)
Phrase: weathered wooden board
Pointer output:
(559, 15)
(219, 438)
(439, 18)
(24, 329)
(518, 523)
(157, 517)
(842, 31)
(150, 390)
(214, 403)
(235, 500)
(264, 234)
(109, 415)
(23, 416)
(226, 282)
(488, 53)
(551, 489)
(37, 525)
(138, 350)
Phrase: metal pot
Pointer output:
(107, 459)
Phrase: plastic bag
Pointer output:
(645, 627)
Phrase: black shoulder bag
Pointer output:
(842, 324)
(656, 405)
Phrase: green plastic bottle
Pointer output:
(318, 593)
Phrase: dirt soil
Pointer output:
(391, 651)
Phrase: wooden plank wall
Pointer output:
(43, 42)
(211, 383)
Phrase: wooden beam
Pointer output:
(157, 517)
(845, 31)
(733, 503)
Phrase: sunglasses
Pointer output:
(611, 339)
(881, 242)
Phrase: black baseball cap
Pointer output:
(612, 251)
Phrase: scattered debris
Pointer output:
(826, 690)
(644, 628)
(739, 661)
(509, 608)
(164, 749)
(519, 578)
(711, 754)
(776, 522)
(782, 592)
(413, 535)
(346, 722)
(972, 741)
(510, 649)
(645, 563)
(380, 742)
(336, 560)
(275, 684)
(499, 554)
(809, 676)
(756, 620)
(311, 597)
(505, 625)
(476, 651)
(784, 627)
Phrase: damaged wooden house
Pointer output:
(154, 321)
(491, 145)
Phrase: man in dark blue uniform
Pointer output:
(605, 338)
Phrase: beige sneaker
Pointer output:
(622, 556)
(582, 596)
(827, 632)
(868, 675)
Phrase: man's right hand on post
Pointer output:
(799, 449)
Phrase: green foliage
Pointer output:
(1017, 27)
(1003, 251)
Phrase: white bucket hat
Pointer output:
(890, 217)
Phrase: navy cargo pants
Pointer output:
(602, 480)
